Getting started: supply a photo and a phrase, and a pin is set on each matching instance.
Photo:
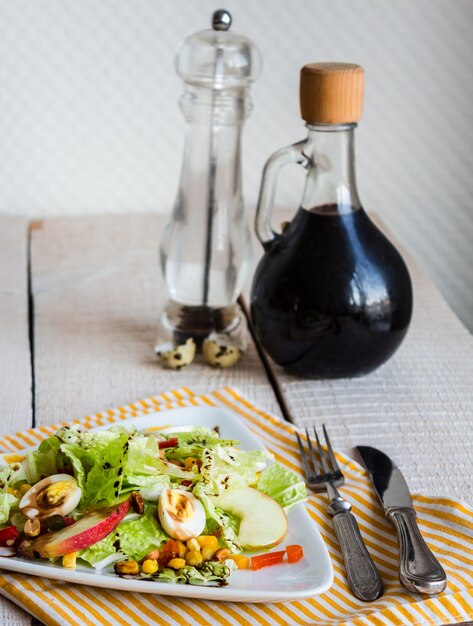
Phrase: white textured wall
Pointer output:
(89, 119)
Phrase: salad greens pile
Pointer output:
(108, 465)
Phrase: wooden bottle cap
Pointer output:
(331, 93)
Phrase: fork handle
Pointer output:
(362, 574)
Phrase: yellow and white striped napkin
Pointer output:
(446, 525)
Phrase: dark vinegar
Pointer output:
(331, 297)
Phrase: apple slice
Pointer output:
(92, 527)
(263, 522)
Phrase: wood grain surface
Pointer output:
(15, 362)
(96, 289)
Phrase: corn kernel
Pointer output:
(242, 561)
(69, 560)
(193, 557)
(193, 544)
(208, 541)
(24, 488)
(182, 549)
(207, 553)
(11, 490)
(14, 458)
(189, 462)
(126, 567)
(177, 563)
(149, 566)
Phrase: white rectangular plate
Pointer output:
(279, 583)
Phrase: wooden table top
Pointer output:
(79, 299)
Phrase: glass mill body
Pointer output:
(206, 246)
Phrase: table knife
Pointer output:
(419, 570)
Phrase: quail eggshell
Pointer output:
(179, 357)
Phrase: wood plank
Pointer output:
(15, 361)
(97, 288)
(416, 407)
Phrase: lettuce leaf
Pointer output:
(10, 475)
(132, 540)
(218, 517)
(95, 442)
(99, 551)
(193, 442)
(282, 485)
(150, 487)
(98, 463)
(236, 468)
(96, 459)
(143, 458)
(140, 536)
(44, 461)
(7, 502)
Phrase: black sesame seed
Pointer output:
(116, 483)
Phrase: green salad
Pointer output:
(182, 506)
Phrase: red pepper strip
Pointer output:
(186, 483)
(294, 553)
(271, 558)
(168, 443)
(68, 521)
(10, 532)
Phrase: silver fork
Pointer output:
(323, 474)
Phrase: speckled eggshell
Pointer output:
(219, 355)
(179, 357)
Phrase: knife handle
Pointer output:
(419, 570)
(362, 574)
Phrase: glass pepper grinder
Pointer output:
(206, 249)
(331, 297)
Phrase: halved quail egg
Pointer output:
(181, 514)
(177, 357)
(54, 495)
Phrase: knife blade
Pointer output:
(419, 570)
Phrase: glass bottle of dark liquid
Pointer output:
(331, 297)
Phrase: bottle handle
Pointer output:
(267, 194)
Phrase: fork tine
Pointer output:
(321, 452)
(313, 456)
(331, 454)
(303, 457)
